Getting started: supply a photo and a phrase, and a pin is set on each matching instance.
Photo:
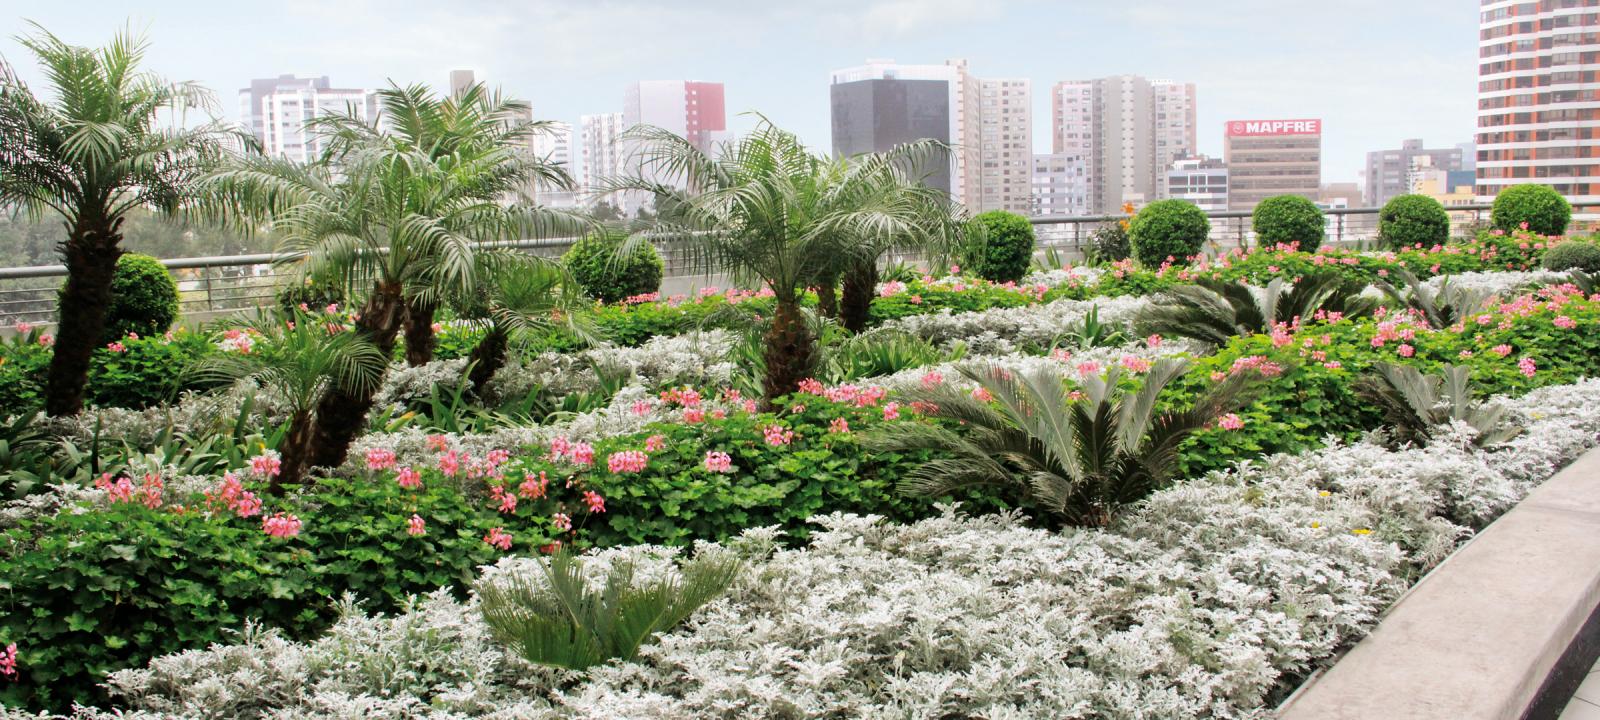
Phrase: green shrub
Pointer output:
(1412, 220)
(1540, 206)
(1573, 255)
(1007, 247)
(1175, 229)
(594, 264)
(1109, 243)
(1284, 219)
(145, 372)
(314, 294)
(144, 298)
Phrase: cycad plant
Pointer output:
(300, 362)
(765, 210)
(1414, 405)
(1441, 308)
(1091, 334)
(1215, 311)
(561, 619)
(1080, 459)
(399, 226)
(93, 153)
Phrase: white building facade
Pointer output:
(276, 111)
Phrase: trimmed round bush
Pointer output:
(1007, 247)
(1411, 220)
(591, 263)
(144, 298)
(1168, 228)
(1573, 255)
(1283, 219)
(1540, 206)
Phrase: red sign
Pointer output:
(1274, 127)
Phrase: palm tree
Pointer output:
(1081, 460)
(522, 298)
(397, 226)
(1414, 405)
(91, 155)
(1215, 311)
(897, 211)
(472, 120)
(297, 361)
(766, 210)
(1449, 304)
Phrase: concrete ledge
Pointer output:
(1493, 631)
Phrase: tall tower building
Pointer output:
(1272, 157)
(1129, 128)
(555, 147)
(1538, 119)
(599, 150)
(694, 111)
(987, 123)
(276, 111)
(460, 80)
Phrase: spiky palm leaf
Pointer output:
(1415, 405)
(1080, 459)
(560, 619)
(1441, 308)
(1215, 311)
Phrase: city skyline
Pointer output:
(571, 59)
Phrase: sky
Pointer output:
(1375, 71)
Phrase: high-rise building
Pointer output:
(1060, 185)
(1200, 180)
(1272, 157)
(276, 111)
(1538, 119)
(987, 122)
(1386, 169)
(1131, 128)
(555, 147)
(694, 111)
(460, 80)
(599, 150)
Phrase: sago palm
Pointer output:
(396, 227)
(1080, 459)
(1449, 304)
(470, 121)
(1414, 405)
(1215, 311)
(91, 154)
(298, 361)
(764, 209)
(560, 619)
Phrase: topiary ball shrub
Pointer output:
(1283, 219)
(590, 260)
(1004, 249)
(144, 298)
(1573, 255)
(1540, 206)
(1164, 229)
(1109, 243)
(1412, 220)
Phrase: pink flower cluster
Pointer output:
(266, 465)
(562, 521)
(1527, 367)
(122, 489)
(232, 495)
(416, 525)
(777, 435)
(281, 525)
(507, 501)
(839, 426)
(1230, 422)
(1135, 364)
(891, 411)
(596, 503)
(8, 661)
(408, 478)
(579, 453)
(498, 538)
(718, 462)
(655, 443)
(380, 459)
(684, 396)
(627, 461)
(534, 490)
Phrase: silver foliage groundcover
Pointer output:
(1208, 602)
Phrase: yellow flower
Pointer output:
(1324, 493)
(1361, 531)
(1315, 525)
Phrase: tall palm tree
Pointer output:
(766, 210)
(298, 361)
(471, 120)
(1215, 311)
(92, 154)
(522, 298)
(397, 226)
(897, 210)
(1081, 460)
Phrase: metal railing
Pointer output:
(209, 286)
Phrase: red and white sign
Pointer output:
(1238, 128)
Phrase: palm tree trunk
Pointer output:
(487, 357)
(789, 352)
(860, 284)
(828, 295)
(295, 453)
(91, 255)
(419, 333)
(342, 414)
